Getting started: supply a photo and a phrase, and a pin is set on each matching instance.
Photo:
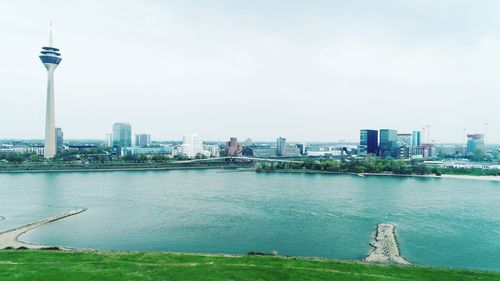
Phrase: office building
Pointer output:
(149, 151)
(405, 140)
(302, 147)
(475, 142)
(59, 140)
(122, 135)
(425, 151)
(368, 142)
(211, 150)
(416, 138)
(404, 152)
(261, 151)
(290, 150)
(280, 146)
(142, 140)
(448, 150)
(50, 57)
(388, 143)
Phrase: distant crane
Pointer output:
(428, 133)
(485, 135)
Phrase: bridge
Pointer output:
(231, 158)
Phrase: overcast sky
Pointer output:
(305, 70)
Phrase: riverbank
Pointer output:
(444, 176)
(225, 167)
(110, 266)
(9, 238)
(111, 168)
(386, 248)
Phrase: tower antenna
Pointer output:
(50, 36)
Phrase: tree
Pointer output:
(258, 167)
(478, 154)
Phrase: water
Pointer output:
(440, 222)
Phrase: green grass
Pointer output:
(68, 266)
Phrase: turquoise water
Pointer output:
(440, 222)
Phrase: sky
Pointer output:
(304, 70)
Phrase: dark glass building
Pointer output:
(368, 142)
(59, 140)
(388, 143)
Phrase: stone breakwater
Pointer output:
(386, 249)
(8, 239)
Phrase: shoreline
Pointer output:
(443, 176)
(117, 169)
(245, 168)
(9, 238)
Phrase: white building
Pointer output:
(191, 146)
(142, 140)
(213, 150)
(109, 140)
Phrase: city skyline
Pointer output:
(191, 70)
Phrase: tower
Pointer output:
(51, 58)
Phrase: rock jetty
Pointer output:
(385, 246)
(8, 239)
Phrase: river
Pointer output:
(439, 222)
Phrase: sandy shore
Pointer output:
(8, 239)
(386, 249)
(444, 176)
(464, 177)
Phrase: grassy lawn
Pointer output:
(68, 266)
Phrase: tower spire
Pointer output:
(50, 36)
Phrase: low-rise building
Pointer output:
(134, 151)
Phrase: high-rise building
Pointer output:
(233, 147)
(122, 135)
(280, 146)
(109, 140)
(51, 58)
(142, 140)
(59, 140)
(368, 142)
(416, 138)
(475, 142)
(191, 146)
(388, 143)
